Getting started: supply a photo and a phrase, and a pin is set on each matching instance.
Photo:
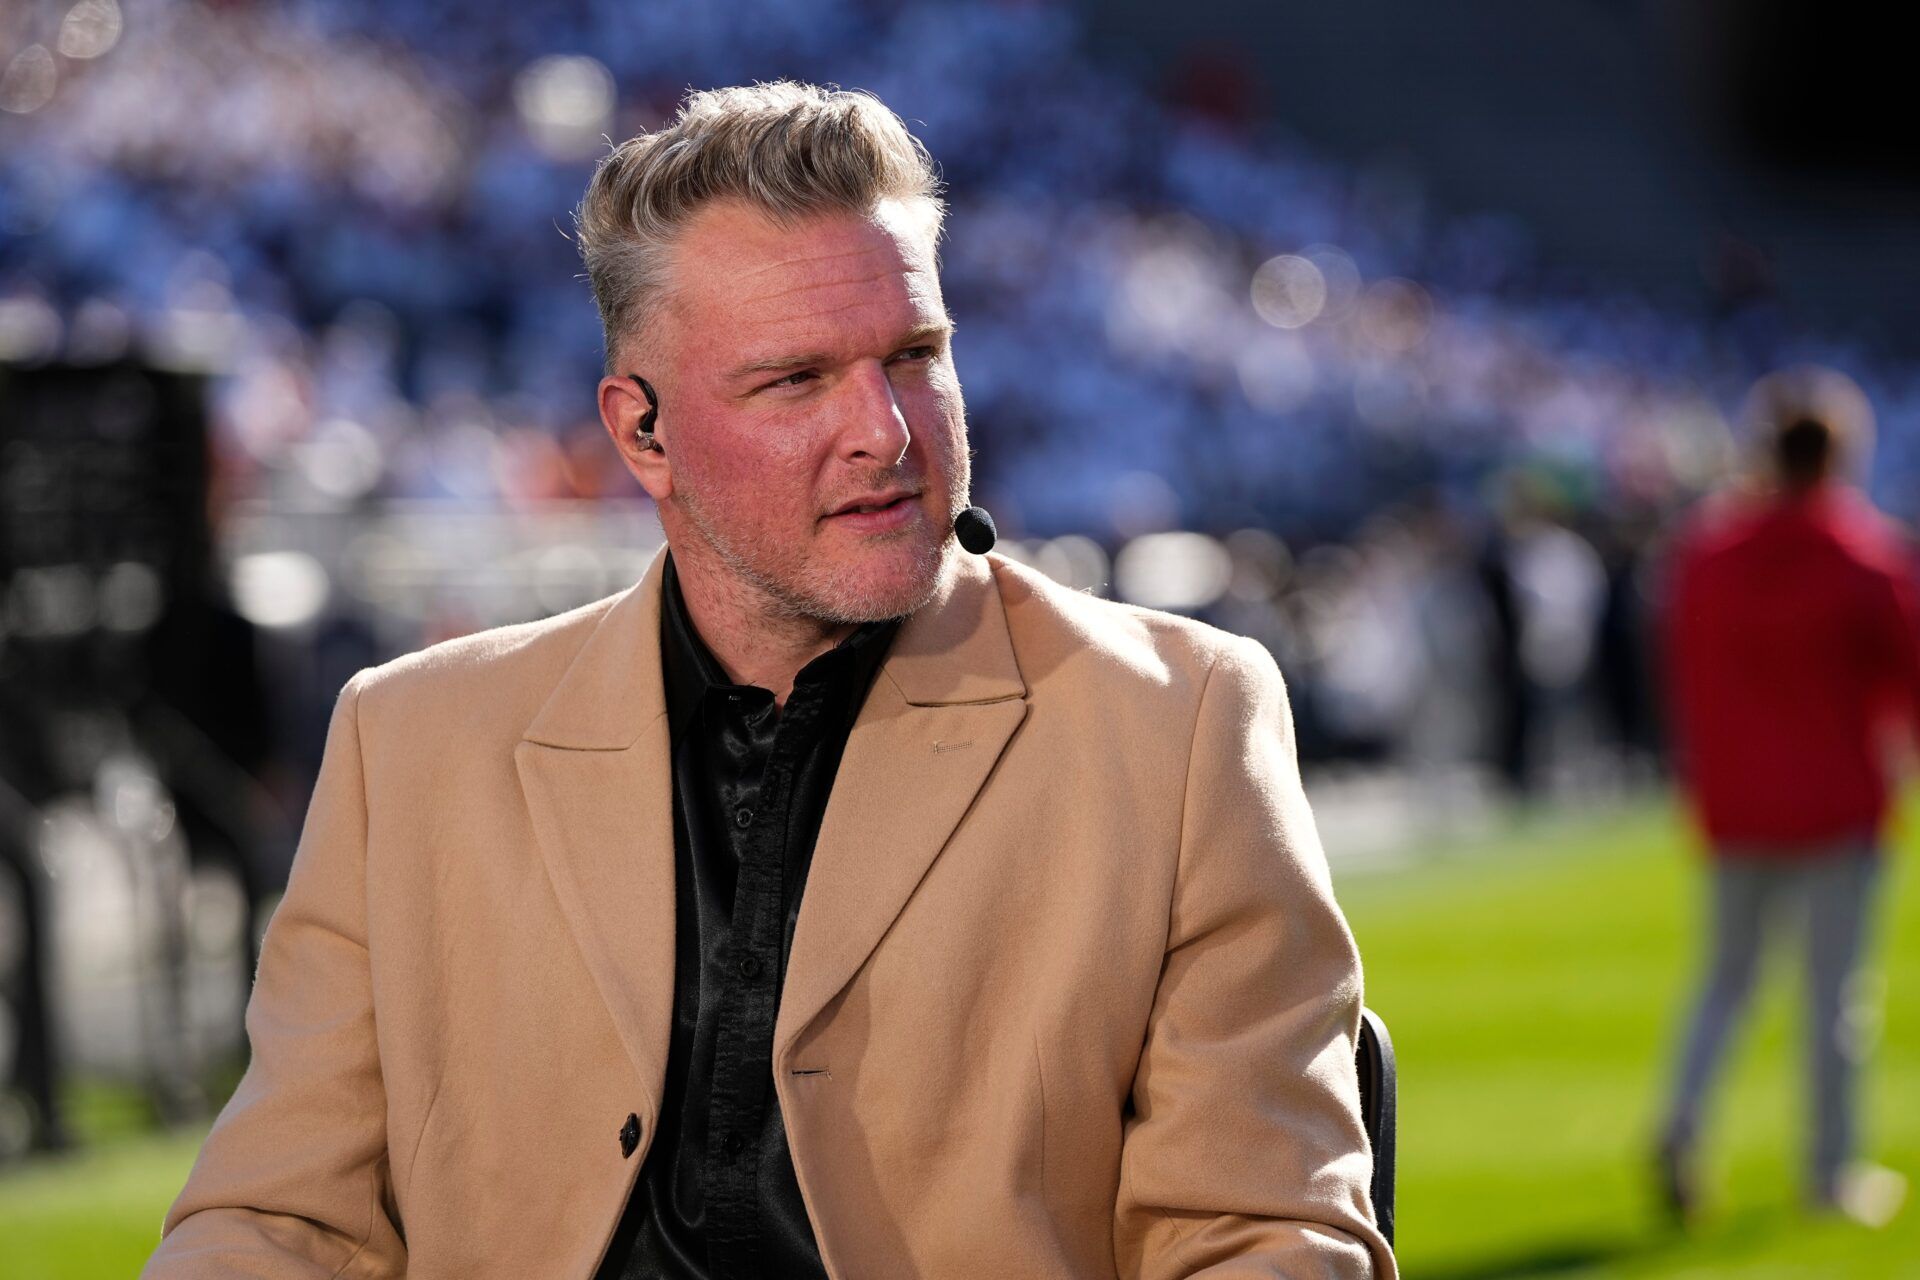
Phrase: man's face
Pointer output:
(814, 436)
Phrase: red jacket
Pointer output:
(1792, 638)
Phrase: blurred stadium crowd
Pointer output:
(357, 215)
(1208, 369)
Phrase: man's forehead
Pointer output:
(735, 256)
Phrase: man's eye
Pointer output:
(792, 379)
(917, 354)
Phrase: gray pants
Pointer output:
(1760, 903)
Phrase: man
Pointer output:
(828, 904)
(1793, 646)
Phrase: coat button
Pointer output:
(732, 1145)
(749, 966)
(743, 818)
(629, 1136)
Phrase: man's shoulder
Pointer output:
(1116, 649)
(1879, 542)
(500, 674)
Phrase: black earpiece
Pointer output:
(644, 431)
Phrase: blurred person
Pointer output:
(1560, 590)
(1622, 678)
(1792, 638)
(32, 1074)
(1513, 701)
(1067, 991)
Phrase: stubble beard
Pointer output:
(835, 598)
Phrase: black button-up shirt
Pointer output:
(717, 1196)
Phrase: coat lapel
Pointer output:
(594, 766)
(595, 769)
(940, 713)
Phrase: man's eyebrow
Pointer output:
(776, 364)
(917, 336)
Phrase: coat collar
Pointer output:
(614, 690)
(954, 650)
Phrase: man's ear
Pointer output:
(623, 406)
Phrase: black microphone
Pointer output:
(974, 528)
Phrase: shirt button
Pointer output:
(743, 818)
(749, 966)
(731, 1145)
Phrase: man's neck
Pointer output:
(754, 642)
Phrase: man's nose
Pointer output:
(875, 429)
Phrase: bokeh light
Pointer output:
(90, 29)
(1289, 291)
(566, 102)
(29, 81)
(1178, 570)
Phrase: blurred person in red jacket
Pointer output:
(1792, 643)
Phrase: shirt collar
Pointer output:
(690, 670)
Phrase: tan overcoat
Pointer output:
(1069, 994)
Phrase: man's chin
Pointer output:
(890, 586)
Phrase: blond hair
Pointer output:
(1810, 422)
(789, 150)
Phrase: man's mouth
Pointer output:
(874, 503)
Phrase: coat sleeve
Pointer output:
(293, 1180)
(1245, 1154)
(1894, 638)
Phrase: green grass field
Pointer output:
(1531, 984)
(1532, 989)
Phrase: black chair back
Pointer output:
(1374, 1058)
